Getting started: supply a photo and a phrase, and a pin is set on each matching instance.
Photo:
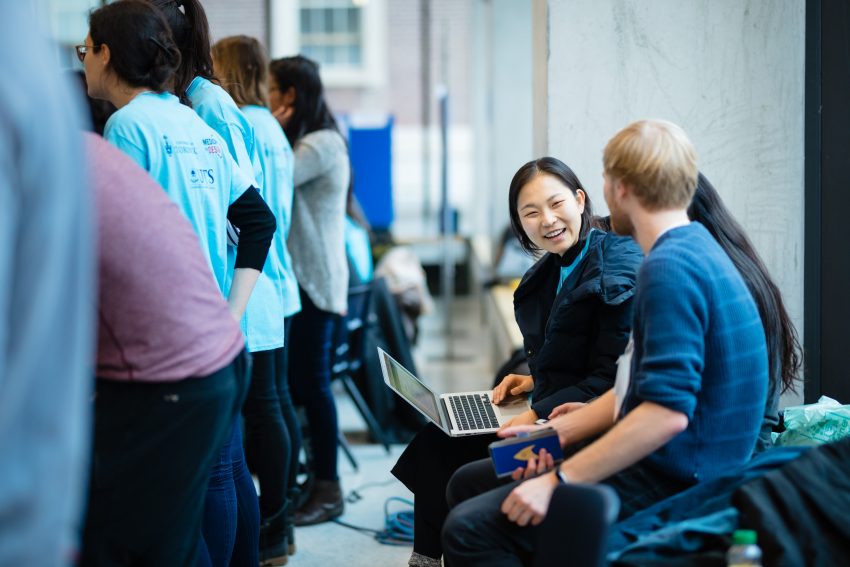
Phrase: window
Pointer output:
(69, 24)
(346, 37)
(331, 32)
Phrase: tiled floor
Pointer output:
(465, 364)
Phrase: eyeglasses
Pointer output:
(82, 50)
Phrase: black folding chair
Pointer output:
(348, 356)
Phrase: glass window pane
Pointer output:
(354, 19)
(355, 55)
(329, 20)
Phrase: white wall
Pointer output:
(730, 72)
(503, 113)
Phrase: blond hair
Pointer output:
(242, 68)
(657, 159)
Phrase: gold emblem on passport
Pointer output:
(526, 453)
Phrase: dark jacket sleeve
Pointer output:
(256, 223)
(614, 324)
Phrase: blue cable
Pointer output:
(398, 526)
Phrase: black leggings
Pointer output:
(272, 434)
(425, 467)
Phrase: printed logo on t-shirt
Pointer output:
(213, 147)
(178, 147)
(201, 177)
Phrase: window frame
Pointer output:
(285, 40)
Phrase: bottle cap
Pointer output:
(744, 537)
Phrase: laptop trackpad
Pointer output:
(512, 406)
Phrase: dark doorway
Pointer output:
(827, 178)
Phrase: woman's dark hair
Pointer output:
(558, 169)
(142, 50)
(192, 34)
(99, 110)
(783, 346)
(311, 111)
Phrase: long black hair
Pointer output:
(311, 111)
(141, 47)
(191, 32)
(783, 346)
(560, 170)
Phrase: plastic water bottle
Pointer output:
(744, 551)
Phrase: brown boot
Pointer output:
(324, 504)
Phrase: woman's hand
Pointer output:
(283, 114)
(512, 385)
(528, 417)
(566, 408)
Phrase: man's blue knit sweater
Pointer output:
(699, 350)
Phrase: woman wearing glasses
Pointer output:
(130, 58)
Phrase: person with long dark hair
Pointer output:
(691, 386)
(783, 346)
(196, 85)
(316, 241)
(574, 309)
(270, 420)
(130, 58)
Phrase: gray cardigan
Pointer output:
(316, 239)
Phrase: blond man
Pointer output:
(690, 389)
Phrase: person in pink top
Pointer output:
(171, 369)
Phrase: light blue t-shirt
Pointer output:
(189, 160)
(358, 249)
(217, 109)
(567, 270)
(262, 323)
(278, 165)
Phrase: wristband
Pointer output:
(562, 478)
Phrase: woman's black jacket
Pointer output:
(572, 341)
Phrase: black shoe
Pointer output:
(325, 504)
(289, 518)
(274, 545)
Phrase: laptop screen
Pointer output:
(410, 388)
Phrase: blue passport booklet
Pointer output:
(512, 453)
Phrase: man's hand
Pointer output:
(535, 466)
(566, 408)
(528, 503)
(512, 385)
(528, 417)
(515, 430)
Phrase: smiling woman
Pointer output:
(573, 308)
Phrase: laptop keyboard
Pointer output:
(473, 412)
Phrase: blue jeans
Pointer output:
(231, 534)
(310, 345)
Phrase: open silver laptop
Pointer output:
(459, 413)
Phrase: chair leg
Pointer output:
(374, 427)
(346, 448)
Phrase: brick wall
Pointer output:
(401, 95)
(234, 17)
